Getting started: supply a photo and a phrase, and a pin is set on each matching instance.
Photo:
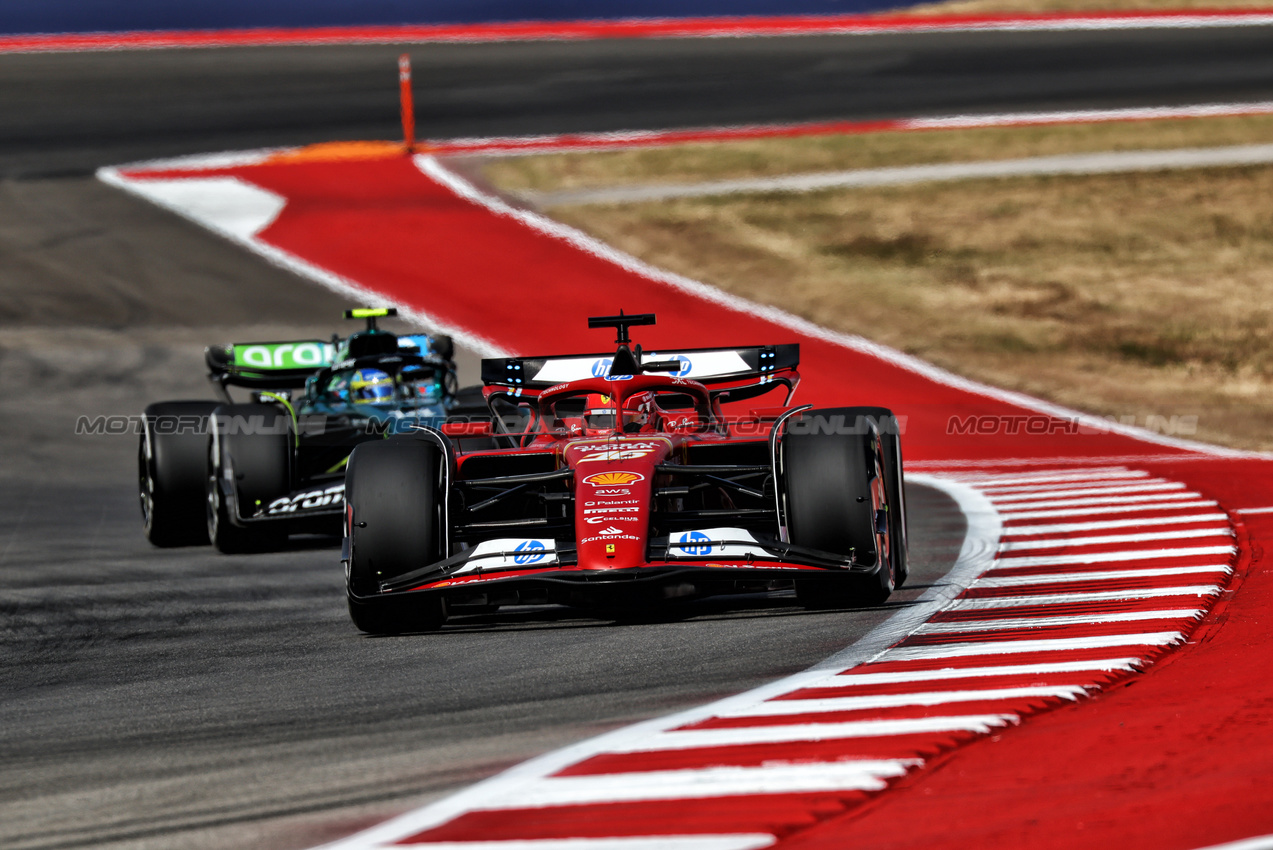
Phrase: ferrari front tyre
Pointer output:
(171, 462)
(891, 442)
(248, 465)
(832, 503)
(394, 498)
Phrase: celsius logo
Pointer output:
(601, 369)
(532, 552)
(694, 543)
(613, 479)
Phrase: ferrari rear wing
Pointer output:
(708, 366)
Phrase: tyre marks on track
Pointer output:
(1026, 633)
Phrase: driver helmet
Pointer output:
(638, 412)
(371, 386)
(598, 413)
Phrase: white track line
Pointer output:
(1034, 495)
(694, 739)
(1107, 539)
(1010, 509)
(783, 707)
(705, 782)
(1104, 665)
(742, 841)
(1084, 596)
(1105, 510)
(1020, 647)
(960, 626)
(1100, 525)
(1096, 575)
(1066, 164)
(995, 490)
(988, 481)
(1262, 842)
(1017, 561)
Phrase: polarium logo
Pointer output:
(531, 552)
(694, 543)
(601, 369)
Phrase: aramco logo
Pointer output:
(694, 543)
(531, 552)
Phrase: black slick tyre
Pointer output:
(894, 480)
(394, 513)
(248, 466)
(171, 466)
(832, 498)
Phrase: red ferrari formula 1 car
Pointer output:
(626, 480)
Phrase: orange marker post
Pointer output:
(408, 105)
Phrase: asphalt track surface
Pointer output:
(159, 698)
(72, 112)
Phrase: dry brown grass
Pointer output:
(1117, 294)
(1131, 294)
(981, 7)
(768, 157)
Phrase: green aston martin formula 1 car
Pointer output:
(244, 475)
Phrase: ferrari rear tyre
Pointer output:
(393, 493)
(249, 465)
(832, 503)
(171, 461)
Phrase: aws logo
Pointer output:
(613, 479)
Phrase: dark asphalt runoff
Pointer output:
(158, 698)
